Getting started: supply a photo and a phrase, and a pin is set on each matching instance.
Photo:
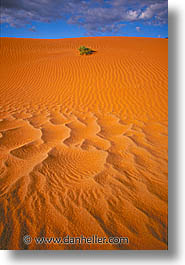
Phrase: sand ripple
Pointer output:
(84, 141)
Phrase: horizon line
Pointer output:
(85, 37)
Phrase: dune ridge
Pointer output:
(84, 141)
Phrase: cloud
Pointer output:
(33, 29)
(95, 16)
(138, 29)
(157, 12)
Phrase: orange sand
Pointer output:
(83, 141)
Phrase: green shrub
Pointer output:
(84, 50)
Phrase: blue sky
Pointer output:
(54, 19)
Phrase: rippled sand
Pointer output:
(83, 141)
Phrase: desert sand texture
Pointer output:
(84, 141)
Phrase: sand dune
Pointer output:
(83, 141)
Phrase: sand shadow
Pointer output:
(89, 53)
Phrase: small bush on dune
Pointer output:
(84, 50)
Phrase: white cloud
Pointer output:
(153, 10)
